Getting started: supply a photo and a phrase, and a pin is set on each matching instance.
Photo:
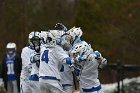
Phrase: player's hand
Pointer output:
(81, 58)
(60, 26)
(36, 57)
(102, 63)
(98, 55)
(71, 67)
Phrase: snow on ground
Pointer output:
(110, 88)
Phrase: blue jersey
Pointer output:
(10, 68)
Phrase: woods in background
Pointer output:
(109, 25)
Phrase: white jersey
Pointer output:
(50, 63)
(35, 69)
(34, 76)
(25, 55)
(66, 74)
(89, 74)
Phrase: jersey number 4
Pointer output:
(45, 56)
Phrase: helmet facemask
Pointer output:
(11, 52)
(32, 38)
(35, 41)
(75, 33)
(81, 49)
(50, 42)
(66, 42)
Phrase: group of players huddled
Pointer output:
(53, 58)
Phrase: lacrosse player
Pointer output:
(65, 71)
(50, 64)
(26, 64)
(35, 61)
(84, 56)
(10, 69)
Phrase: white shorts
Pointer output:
(50, 86)
(35, 87)
(25, 86)
(68, 89)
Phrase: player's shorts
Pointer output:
(35, 87)
(25, 86)
(51, 86)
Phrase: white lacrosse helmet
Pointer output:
(33, 35)
(65, 42)
(48, 39)
(57, 33)
(75, 32)
(43, 36)
(11, 45)
(51, 40)
(81, 48)
(11, 48)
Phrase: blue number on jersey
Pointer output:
(45, 56)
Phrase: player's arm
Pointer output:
(35, 58)
(71, 60)
(101, 60)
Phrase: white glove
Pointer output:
(71, 67)
(98, 55)
(35, 58)
(80, 58)
(102, 63)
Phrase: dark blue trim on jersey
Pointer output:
(31, 47)
(62, 69)
(11, 77)
(9, 60)
(68, 60)
(49, 77)
(92, 89)
(34, 77)
(66, 85)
